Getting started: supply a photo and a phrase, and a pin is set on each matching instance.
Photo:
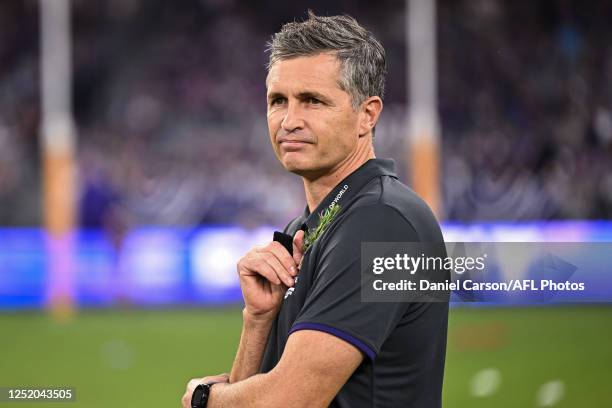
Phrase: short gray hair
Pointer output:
(361, 56)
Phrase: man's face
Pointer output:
(313, 127)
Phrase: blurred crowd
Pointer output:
(526, 107)
(169, 103)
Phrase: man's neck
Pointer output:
(317, 189)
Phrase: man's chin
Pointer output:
(302, 169)
(296, 168)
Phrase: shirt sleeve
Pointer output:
(334, 304)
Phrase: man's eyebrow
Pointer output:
(311, 94)
(274, 95)
(301, 95)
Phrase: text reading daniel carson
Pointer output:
(457, 266)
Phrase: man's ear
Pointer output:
(370, 112)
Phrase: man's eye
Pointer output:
(277, 101)
(313, 101)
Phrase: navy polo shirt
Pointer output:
(403, 343)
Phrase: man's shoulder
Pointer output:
(388, 201)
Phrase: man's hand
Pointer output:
(265, 274)
(298, 248)
(312, 370)
(186, 400)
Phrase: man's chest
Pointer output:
(296, 296)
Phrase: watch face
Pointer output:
(199, 395)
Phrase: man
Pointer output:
(308, 340)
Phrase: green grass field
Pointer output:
(143, 358)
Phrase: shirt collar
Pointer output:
(348, 188)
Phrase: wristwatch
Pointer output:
(199, 398)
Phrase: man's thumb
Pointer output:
(298, 245)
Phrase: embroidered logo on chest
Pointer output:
(291, 289)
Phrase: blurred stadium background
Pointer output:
(121, 282)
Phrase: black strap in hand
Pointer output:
(285, 240)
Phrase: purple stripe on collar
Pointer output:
(364, 348)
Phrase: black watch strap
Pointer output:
(199, 398)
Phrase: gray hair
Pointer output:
(361, 56)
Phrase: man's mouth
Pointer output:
(292, 144)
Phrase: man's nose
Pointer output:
(293, 118)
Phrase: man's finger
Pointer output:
(257, 265)
(220, 378)
(298, 245)
(282, 273)
(186, 400)
(279, 290)
(192, 384)
(283, 257)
